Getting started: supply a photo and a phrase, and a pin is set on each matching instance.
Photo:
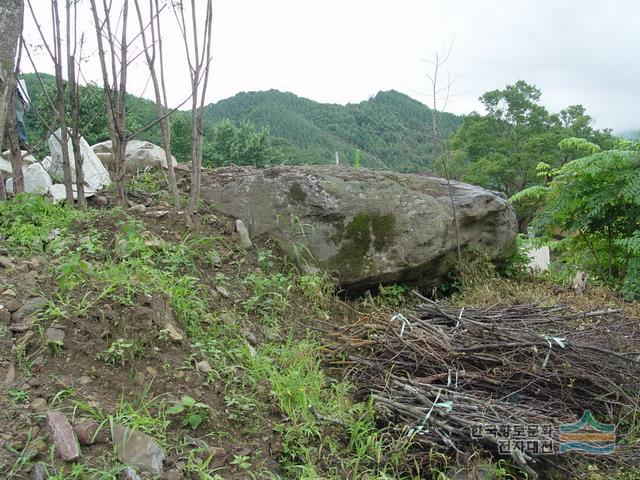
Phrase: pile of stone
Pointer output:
(46, 177)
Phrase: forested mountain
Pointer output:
(391, 130)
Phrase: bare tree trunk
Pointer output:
(56, 56)
(73, 93)
(114, 94)
(199, 66)
(15, 154)
(3, 191)
(159, 86)
(11, 18)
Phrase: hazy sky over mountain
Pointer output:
(345, 51)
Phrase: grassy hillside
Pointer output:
(390, 129)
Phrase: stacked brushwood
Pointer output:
(437, 373)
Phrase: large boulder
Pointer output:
(366, 226)
(139, 156)
(96, 175)
(36, 180)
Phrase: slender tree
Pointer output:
(11, 19)
(72, 38)
(159, 85)
(198, 52)
(442, 92)
(54, 49)
(114, 83)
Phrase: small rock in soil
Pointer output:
(243, 233)
(30, 307)
(251, 338)
(38, 405)
(36, 447)
(174, 334)
(30, 280)
(10, 376)
(101, 201)
(222, 291)
(12, 305)
(139, 378)
(55, 336)
(9, 292)
(6, 263)
(86, 431)
(157, 213)
(204, 366)
(137, 449)
(85, 380)
(129, 474)
(39, 472)
(63, 437)
(139, 208)
(174, 474)
(34, 382)
(5, 315)
(25, 339)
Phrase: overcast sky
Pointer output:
(343, 51)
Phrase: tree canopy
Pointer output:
(500, 149)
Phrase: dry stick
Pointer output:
(437, 140)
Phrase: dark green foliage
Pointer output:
(240, 145)
(500, 150)
(595, 202)
(389, 129)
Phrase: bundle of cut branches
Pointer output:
(459, 378)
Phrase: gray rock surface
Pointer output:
(137, 449)
(30, 307)
(366, 226)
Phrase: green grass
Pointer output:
(326, 435)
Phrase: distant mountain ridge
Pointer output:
(391, 130)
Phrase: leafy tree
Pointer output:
(240, 145)
(595, 202)
(501, 149)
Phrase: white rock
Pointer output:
(96, 175)
(59, 194)
(539, 259)
(138, 156)
(36, 180)
(5, 160)
(243, 233)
